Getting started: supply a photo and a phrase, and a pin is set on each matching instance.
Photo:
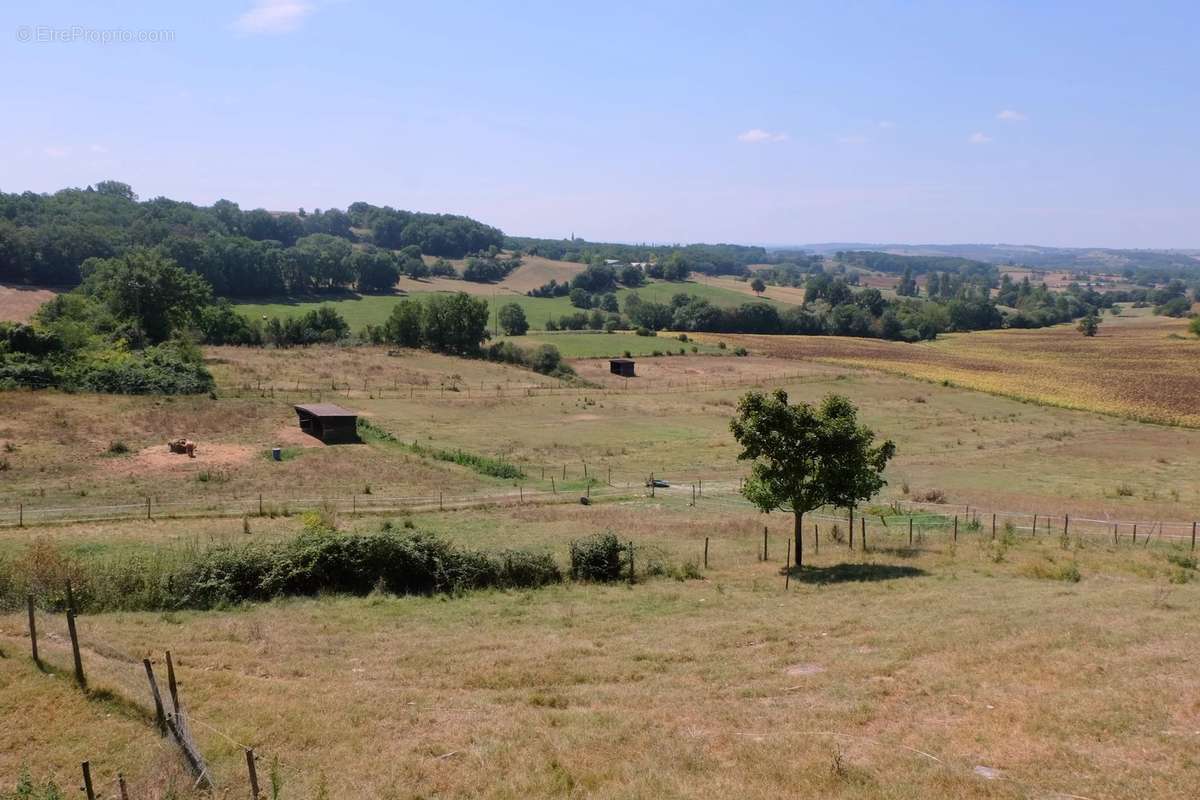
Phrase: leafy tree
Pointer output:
(374, 270)
(758, 286)
(512, 320)
(805, 457)
(455, 323)
(155, 295)
(1089, 325)
(404, 325)
(1194, 326)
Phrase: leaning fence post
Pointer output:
(32, 630)
(1066, 523)
(816, 539)
(254, 795)
(706, 552)
(765, 542)
(1035, 524)
(87, 781)
(160, 716)
(1193, 535)
(787, 565)
(79, 676)
(171, 687)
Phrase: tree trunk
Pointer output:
(799, 538)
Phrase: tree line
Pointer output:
(46, 239)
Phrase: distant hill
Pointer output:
(1083, 259)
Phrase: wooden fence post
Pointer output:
(32, 630)
(171, 687)
(20, 515)
(79, 676)
(910, 530)
(956, 527)
(441, 507)
(816, 539)
(862, 527)
(553, 485)
(121, 786)
(706, 552)
(147, 508)
(254, 795)
(765, 542)
(787, 565)
(87, 781)
(160, 716)
(1135, 533)
(1035, 524)
(1066, 523)
(631, 570)
(1193, 536)
(851, 527)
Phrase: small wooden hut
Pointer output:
(330, 423)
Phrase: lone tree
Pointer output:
(512, 320)
(807, 456)
(1090, 324)
(758, 286)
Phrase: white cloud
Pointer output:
(978, 137)
(758, 136)
(854, 139)
(52, 151)
(1009, 115)
(273, 17)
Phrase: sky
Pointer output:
(1061, 123)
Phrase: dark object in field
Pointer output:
(330, 423)
(658, 483)
(585, 501)
(622, 366)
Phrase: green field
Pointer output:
(596, 344)
(361, 310)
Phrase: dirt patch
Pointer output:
(292, 436)
(18, 303)
(157, 459)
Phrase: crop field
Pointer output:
(1142, 368)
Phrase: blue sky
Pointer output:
(1051, 123)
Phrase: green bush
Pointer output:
(597, 558)
(319, 560)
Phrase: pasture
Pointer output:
(994, 667)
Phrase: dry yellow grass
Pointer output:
(18, 303)
(1142, 368)
(944, 659)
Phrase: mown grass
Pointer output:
(361, 310)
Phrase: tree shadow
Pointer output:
(852, 573)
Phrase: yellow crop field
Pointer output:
(1142, 368)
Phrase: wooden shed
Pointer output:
(622, 367)
(330, 423)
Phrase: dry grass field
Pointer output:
(18, 303)
(1007, 668)
(1137, 367)
(942, 670)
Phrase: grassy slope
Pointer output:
(701, 689)
(360, 310)
(591, 344)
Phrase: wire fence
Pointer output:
(927, 517)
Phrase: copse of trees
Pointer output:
(445, 235)
(123, 331)
(709, 259)
(445, 323)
